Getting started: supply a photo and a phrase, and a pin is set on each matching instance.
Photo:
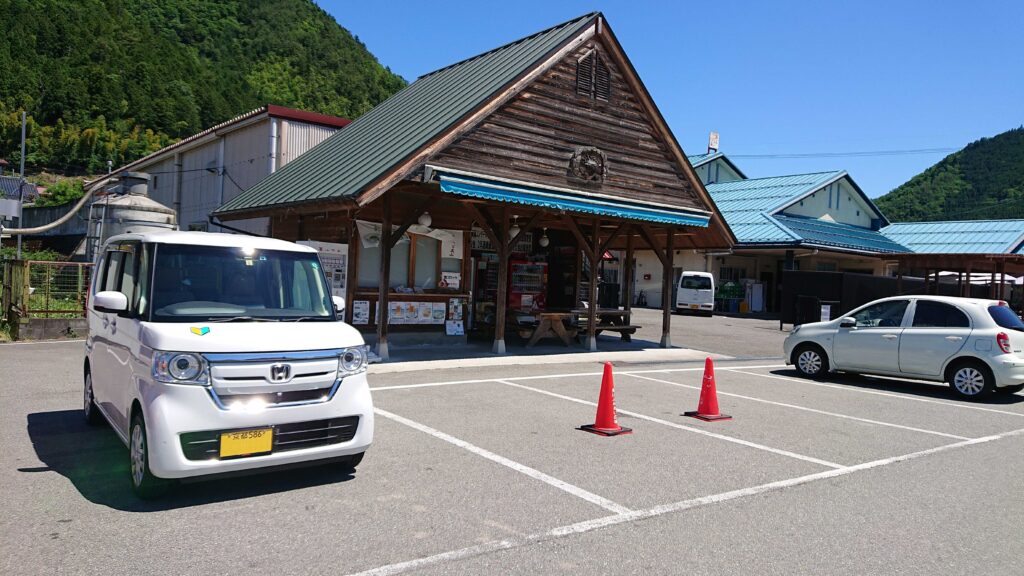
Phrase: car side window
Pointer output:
(929, 314)
(112, 270)
(882, 315)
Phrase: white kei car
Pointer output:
(974, 345)
(212, 353)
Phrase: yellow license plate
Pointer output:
(694, 306)
(246, 442)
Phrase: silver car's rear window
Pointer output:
(1006, 318)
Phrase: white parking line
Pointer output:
(874, 392)
(686, 428)
(634, 516)
(804, 408)
(522, 468)
(40, 342)
(550, 376)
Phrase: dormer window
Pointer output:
(593, 79)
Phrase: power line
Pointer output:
(863, 153)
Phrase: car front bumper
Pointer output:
(176, 410)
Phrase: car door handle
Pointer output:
(890, 336)
(954, 338)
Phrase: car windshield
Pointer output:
(697, 282)
(1006, 318)
(213, 283)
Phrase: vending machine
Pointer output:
(528, 286)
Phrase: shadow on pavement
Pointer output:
(935, 390)
(96, 463)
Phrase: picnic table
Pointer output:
(549, 325)
(608, 319)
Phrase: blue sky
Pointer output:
(771, 77)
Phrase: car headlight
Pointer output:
(352, 361)
(179, 368)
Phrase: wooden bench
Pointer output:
(626, 331)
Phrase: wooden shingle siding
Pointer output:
(534, 135)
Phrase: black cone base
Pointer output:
(707, 417)
(604, 431)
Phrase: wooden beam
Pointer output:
(666, 291)
(352, 273)
(411, 218)
(383, 290)
(573, 227)
(486, 223)
(604, 245)
(523, 229)
(501, 306)
(648, 235)
(595, 259)
(627, 302)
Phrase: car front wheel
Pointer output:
(810, 361)
(144, 483)
(971, 380)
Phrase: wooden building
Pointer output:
(546, 148)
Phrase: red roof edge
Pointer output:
(304, 116)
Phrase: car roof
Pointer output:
(211, 239)
(947, 299)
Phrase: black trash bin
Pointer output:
(608, 295)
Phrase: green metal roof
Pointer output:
(960, 237)
(354, 157)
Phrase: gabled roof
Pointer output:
(747, 205)
(348, 162)
(752, 209)
(270, 110)
(701, 159)
(9, 186)
(960, 237)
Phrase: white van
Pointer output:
(696, 293)
(212, 353)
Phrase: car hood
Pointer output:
(243, 337)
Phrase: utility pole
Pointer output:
(21, 185)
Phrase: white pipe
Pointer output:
(273, 145)
(71, 213)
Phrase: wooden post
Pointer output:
(1002, 278)
(627, 303)
(595, 260)
(352, 274)
(501, 306)
(666, 290)
(927, 279)
(992, 282)
(385, 279)
(959, 282)
(899, 279)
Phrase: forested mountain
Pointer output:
(116, 79)
(985, 180)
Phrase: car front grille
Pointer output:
(294, 436)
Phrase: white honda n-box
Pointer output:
(212, 353)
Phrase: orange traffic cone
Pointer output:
(707, 408)
(605, 423)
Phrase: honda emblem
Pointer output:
(280, 373)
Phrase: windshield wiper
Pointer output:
(245, 319)
(301, 318)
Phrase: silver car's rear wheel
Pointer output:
(971, 380)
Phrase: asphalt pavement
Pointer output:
(481, 470)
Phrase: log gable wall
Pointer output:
(534, 136)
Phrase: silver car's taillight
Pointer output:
(1003, 340)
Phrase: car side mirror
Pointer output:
(848, 322)
(110, 301)
(339, 304)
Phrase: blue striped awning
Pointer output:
(569, 201)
